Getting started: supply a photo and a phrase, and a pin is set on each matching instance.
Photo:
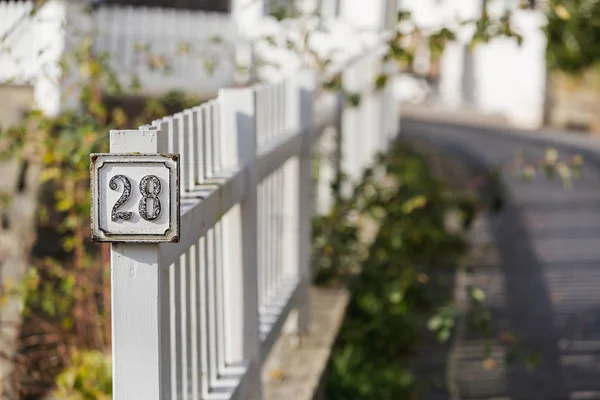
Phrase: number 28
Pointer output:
(147, 194)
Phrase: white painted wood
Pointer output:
(270, 237)
(197, 146)
(203, 339)
(280, 188)
(195, 324)
(220, 243)
(272, 155)
(188, 69)
(183, 326)
(326, 172)
(262, 128)
(211, 299)
(187, 283)
(174, 271)
(186, 137)
(270, 111)
(174, 129)
(275, 316)
(208, 141)
(327, 149)
(351, 155)
(140, 303)
(200, 215)
(241, 277)
(301, 206)
(218, 137)
(261, 250)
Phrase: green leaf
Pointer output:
(353, 99)
(435, 323)
(381, 81)
(271, 40)
(135, 84)
(403, 15)
(532, 361)
(478, 295)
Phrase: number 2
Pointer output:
(147, 195)
(116, 214)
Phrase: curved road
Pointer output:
(546, 284)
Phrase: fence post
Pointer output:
(299, 203)
(140, 300)
(240, 261)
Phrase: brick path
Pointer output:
(542, 280)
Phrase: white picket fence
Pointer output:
(197, 48)
(195, 320)
(166, 49)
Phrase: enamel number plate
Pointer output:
(135, 197)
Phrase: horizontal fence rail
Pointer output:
(196, 319)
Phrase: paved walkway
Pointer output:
(545, 282)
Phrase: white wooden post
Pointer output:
(329, 156)
(351, 141)
(240, 260)
(140, 300)
(369, 109)
(297, 229)
(326, 171)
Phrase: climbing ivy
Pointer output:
(400, 283)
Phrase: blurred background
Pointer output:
(499, 112)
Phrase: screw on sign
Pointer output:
(135, 197)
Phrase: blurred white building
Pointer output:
(194, 46)
(499, 77)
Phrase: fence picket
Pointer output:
(176, 329)
(194, 329)
(241, 274)
(204, 356)
(208, 142)
(219, 282)
(300, 206)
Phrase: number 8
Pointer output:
(148, 194)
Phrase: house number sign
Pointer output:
(135, 197)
